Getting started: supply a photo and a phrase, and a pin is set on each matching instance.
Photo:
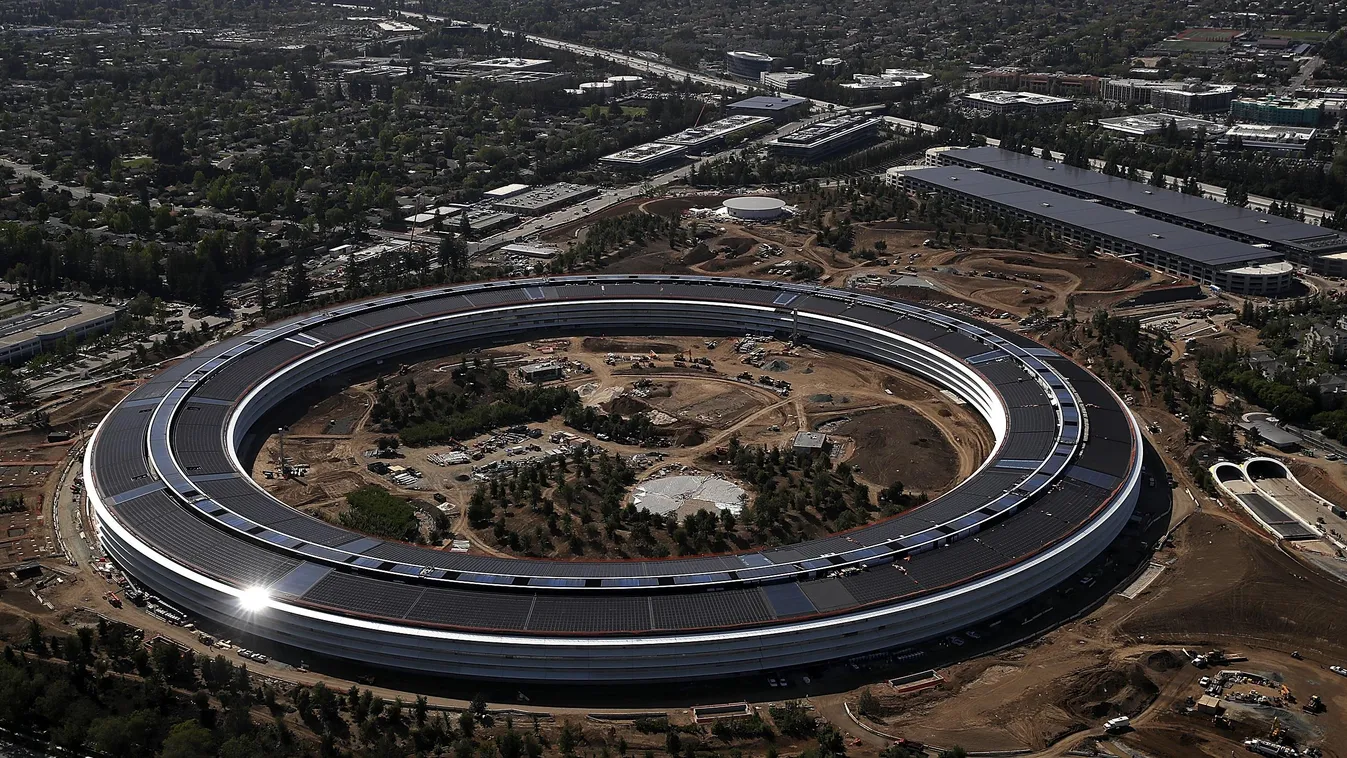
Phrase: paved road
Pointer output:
(1306, 72)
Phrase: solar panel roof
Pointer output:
(1179, 241)
(1156, 201)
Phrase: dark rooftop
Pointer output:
(1118, 191)
(1180, 241)
(769, 103)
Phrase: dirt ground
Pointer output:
(29, 463)
(999, 280)
(1019, 280)
(1223, 588)
(893, 426)
(899, 444)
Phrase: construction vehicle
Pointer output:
(1277, 733)
(1315, 705)
(113, 600)
(1119, 724)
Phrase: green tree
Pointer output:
(297, 286)
(188, 739)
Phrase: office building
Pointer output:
(1321, 249)
(543, 200)
(34, 332)
(1233, 266)
(512, 64)
(748, 65)
(644, 157)
(698, 139)
(827, 138)
(781, 109)
(1273, 139)
(1152, 124)
(1017, 102)
(1014, 79)
(785, 81)
(1180, 97)
(1278, 111)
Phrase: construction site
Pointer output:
(886, 425)
(1203, 633)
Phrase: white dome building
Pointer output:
(755, 208)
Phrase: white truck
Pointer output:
(1119, 724)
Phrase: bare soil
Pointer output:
(898, 444)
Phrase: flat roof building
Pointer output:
(809, 443)
(528, 80)
(892, 83)
(1279, 111)
(484, 221)
(1322, 249)
(1271, 434)
(34, 332)
(1283, 139)
(1183, 97)
(698, 138)
(537, 373)
(506, 190)
(644, 157)
(1206, 258)
(547, 199)
(527, 250)
(826, 138)
(434, 214)
(785, 81)
(1042, 83)
(778, 108)
(1150, 124)
(513, 64)
(1017, 102)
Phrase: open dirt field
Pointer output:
(1020, 280)
(1223, 588)
(997, 279)
(1238, 587)
(899, 444)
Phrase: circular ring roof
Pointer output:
(1067, 451)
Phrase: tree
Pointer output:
(210, 288)
(188, 739)
(13, 389)
(867, 703)
(569, 738)
(421, 709)
(452, 252)
(297, 282)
